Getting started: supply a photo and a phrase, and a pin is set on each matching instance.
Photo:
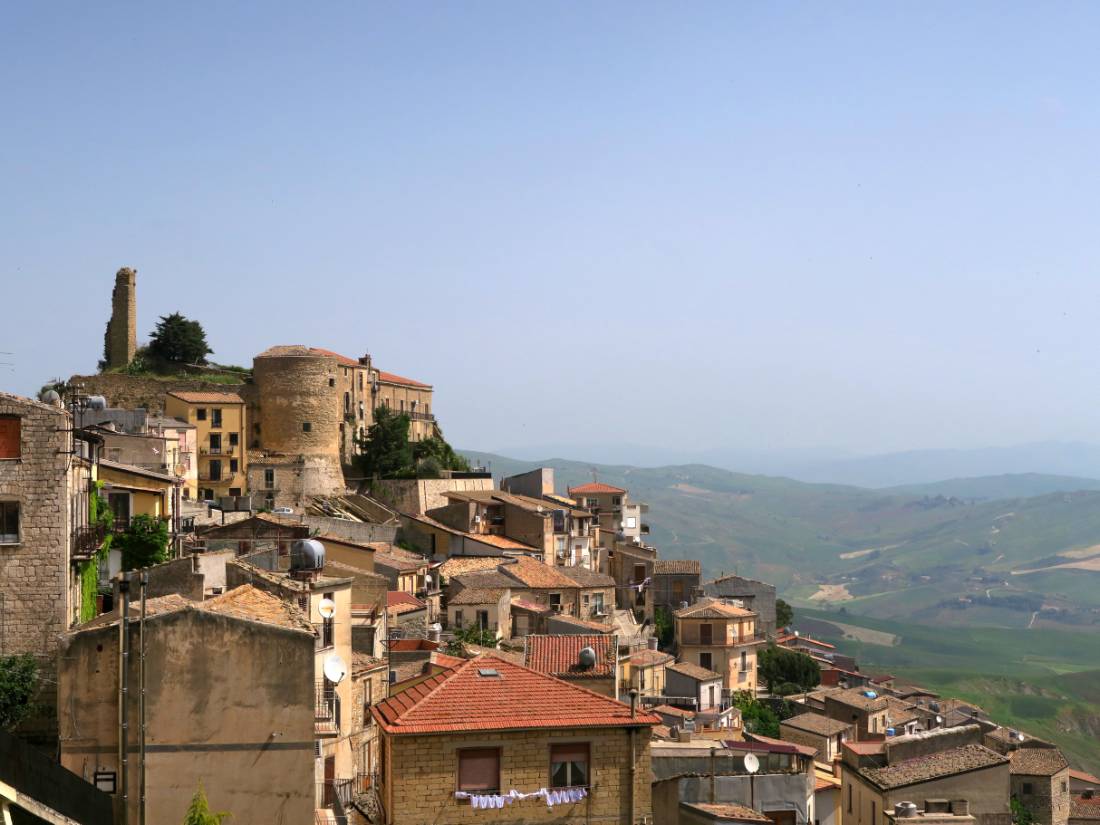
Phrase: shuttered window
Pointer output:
(10, 437)
(479, 769)
(9, 522)
(569, 765)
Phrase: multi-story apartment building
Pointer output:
(220, 424)
(47, 476)
(152, 442)
(721, 637)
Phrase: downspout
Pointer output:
(123, 678)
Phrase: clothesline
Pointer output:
(553, 796)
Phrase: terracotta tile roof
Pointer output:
(446, 660)
(130, 469)
(676, 566)
(585, 577)
(648, 658)
(560, 655)
(595, 487)
(791, 637)
(206, 397)
(361, 663)
(727, 811)
(535, 506)
(534, 607)
(1080, 808)
(396, 559)
(900, 712)
(708, 608)
(538, 575)
(491, 693)
(700, 674)
(669, 710)
(513, 656)
(408, 645)
(253, 604)
(805, 750)
(933, 766)
(476, 596)
(390, 378)
(457, 565)
(866, 748)
(1037, 761)
(857, 698)
(598, 627)
(502, 542)
(816, 723)
(398, 602)
(1081, 776)
(661, 732)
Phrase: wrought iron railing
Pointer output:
(87, 541)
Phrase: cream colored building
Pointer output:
(720, 637)
(221, 434)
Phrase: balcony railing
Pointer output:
(420, 416)
(326, 711)
(336, 793)
(87, 541)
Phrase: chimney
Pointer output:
(652, 642)
(633, 703)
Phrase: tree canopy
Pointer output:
(755, 715)
(787, 671)
(386, 451)
(199, 813)
(784, 613)
(18, 683)
(178, 340)
(144, 543)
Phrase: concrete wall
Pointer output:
(534, 483)
(176, 576)
(208, 669)
(296, 478)
(420, 777)
(357, 531)
(766, 792)
(987, 790)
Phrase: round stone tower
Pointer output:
(122, 328)
(298, 400)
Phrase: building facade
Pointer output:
(220, 423)
(720, 637)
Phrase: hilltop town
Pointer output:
(278, 592)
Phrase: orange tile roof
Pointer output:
(648, 658)
(390, 378)
(560, 655)
(533, 607)
(599, 627)
(791, 637)
(709, 608)
(491, 693)
(207, 397)
(728, 811)
(500, 541)
(411, 644)
(596, 487)
(669, 710)
(446, 660)
(399, 602)
(534, 573)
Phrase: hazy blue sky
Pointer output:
(866, 226)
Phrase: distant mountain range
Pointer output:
(1014, 550)
(836, 467)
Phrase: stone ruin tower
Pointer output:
(121, 342)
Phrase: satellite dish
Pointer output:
(939, 720)
(752, 764)
(335, 669)
(327, 608)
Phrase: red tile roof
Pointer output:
(398, 602)
(791, 637)
(596, 487)
(390, 378)
(207, 397)
(560, 655)
(295, 349)
(490, 693)
(411, 644)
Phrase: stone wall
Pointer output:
(122, 328)
(421, 773)
(758, 596)
(34, 573)
(132, 391)
(300, 408)
(418, 496)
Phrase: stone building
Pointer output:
(488, 727)
(229, 704)
(720, 637)
(865, 710)
(1040, 782)
(121, 338)
(756, 596)
(46, 479)
(675, 581)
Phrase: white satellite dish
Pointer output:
(327, 608)
(752, 764)
(939, 720)
(335, 669)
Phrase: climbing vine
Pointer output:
(99, 513)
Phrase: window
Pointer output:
(597, 603)
(234, 439)
(705, 661)
(1028, 788)
(200, 413)
(641, 678)
(360, 379)
(215, 442)
(591, 503)
(706, 634)
(10, 437)
(555, 601)
(569, 765)
(9, 522)
(483, 619)
(215, 470)
(479, 770)
(233, 465)
(849, 799)
(216, 417)
(120, 506)
(104, 781)
(307, 427)
(458, 618)
(269, 477)
(1065, 786)
(559, 544)
(639, 573)
(631, 522)
(677, 590)
(710, 696)
(744, 661)
(347, 402)
(327, 634)
(332, 382)
(616, 501)
(234, 491)
(874, 812)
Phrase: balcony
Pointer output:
(86, 542)
(419, 416)
(326, 716)
(336, 793)
(719, 641)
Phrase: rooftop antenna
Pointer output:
(595, 475)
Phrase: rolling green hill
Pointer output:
(1015, 485)
(936, 559)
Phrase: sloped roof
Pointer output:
(857, 698)
(598, 627)
(816, 723)
(933, 766)
(458, 565)
(648, 658)
(1080, 808)
(398, 602)
(539, 575)
(1037, 761)
(491, 693)
(712, 609)
(595, 487)
(391, 378)
(696, 672)
(727, 811)
(206, 397)
(476, 596)
(560, 655)
(585, 577)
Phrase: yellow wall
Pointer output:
(233, 421)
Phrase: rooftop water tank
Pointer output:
(587, 657)
(307, 554)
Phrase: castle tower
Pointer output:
(122, 328)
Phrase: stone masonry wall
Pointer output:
(425, 769)
(130, 391)
(122, 328)
(34, 574)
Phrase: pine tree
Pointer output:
(179, 340)
(199, 813)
